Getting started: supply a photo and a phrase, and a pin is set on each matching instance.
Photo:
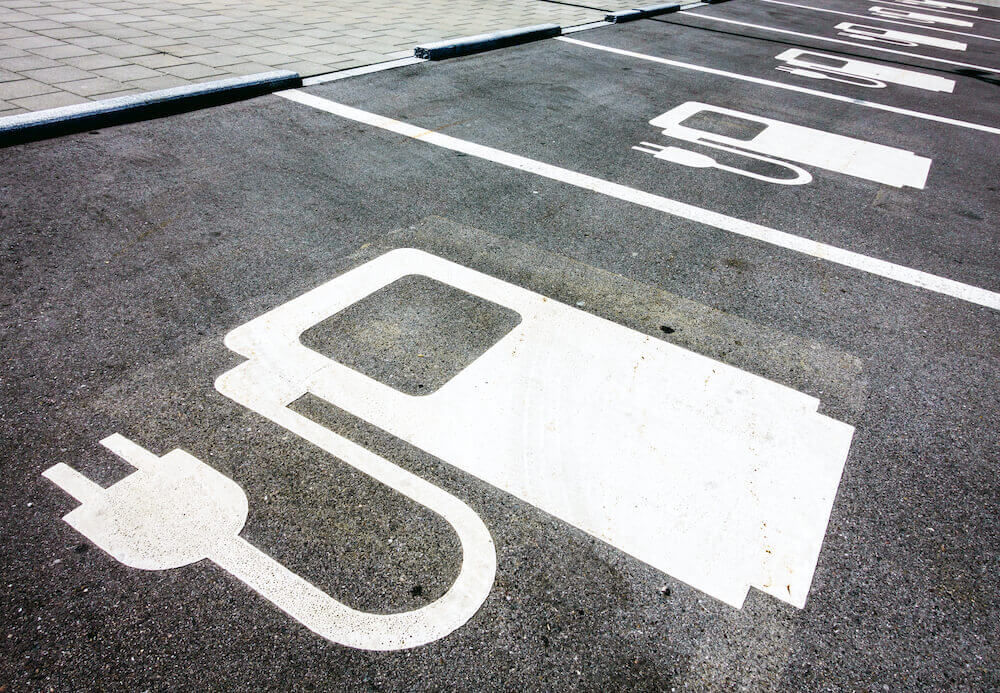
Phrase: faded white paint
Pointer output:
(716, 476)
(779, 142)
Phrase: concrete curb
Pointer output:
(26, 127)
(642, 12)
(484, 42)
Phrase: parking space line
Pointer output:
(781, 239)
(780, 85)
(840, 41)
(880, 19)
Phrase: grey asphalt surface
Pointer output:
(129, 252)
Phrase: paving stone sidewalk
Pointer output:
(61, 52)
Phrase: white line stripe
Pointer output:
(789, 87)
(882, 268)
(845, 43)
(880, 19)
(364, 70)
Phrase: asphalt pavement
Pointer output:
(688, 380)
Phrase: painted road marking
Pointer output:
(176, 510)
(781, 85)
(917, 17)
(937, 4)
(777, 142)
(896, 38)
(781, 239)
(979, 18)
(718, 477)
(882, 49)
(857, 72)
(686, 157)
(887, 21)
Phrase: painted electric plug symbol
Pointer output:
(918, 17)
(778, 143)
(172, 511)
(176, 510)
(713, 475)
(877, 34)
(858, 73)
(686, 157)
(938, 5)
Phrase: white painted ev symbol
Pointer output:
(780, 144)
(718, 477)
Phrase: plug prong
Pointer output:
(74, 483)
(136, 455)
(650, 148)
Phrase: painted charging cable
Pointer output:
(815, 73)
(176, 510)
(686, 157)
(877, 39)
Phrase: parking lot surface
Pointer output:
(661, 355)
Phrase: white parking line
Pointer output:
(879, 19)
(780, 85)
(842, 42)
(781, 239)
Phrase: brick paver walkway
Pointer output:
(60, 52)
